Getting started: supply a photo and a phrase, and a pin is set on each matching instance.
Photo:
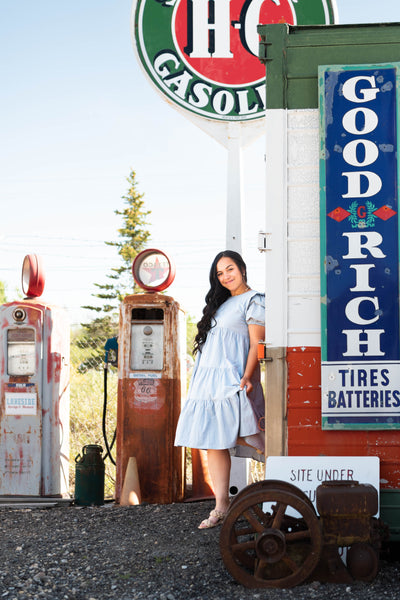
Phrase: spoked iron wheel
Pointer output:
(273, 484)
(271, 537)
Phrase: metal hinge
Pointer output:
(264, 241)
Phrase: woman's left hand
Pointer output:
(246, 383)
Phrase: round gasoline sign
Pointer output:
(153, 270)
(203, 54)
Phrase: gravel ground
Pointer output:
(152, 552)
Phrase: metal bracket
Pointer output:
(264, 241)
(263, 50)
(262, 351)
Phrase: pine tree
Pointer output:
(133, 236)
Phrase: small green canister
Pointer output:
(89, 476)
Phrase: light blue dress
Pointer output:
(216, 412)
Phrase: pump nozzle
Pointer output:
(111, 345)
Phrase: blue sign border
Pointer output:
(359, 176)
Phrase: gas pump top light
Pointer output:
(153, 270)
(32, 276)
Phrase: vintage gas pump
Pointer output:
(34, 409)
(151, 382)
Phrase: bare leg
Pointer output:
(219, 467)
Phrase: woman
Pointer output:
(218, 414)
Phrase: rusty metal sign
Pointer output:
(360, 247)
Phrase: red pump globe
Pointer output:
(153, 270)
(32, 276)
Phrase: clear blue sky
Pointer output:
(77, 114)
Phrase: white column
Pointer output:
(276, 281)
(276, 227)
(234, 209)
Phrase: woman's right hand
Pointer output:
(246, 383)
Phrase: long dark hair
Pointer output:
(216, 296)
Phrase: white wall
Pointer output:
(292, 220)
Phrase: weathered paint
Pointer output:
(34, 448)
(347, 214)
(292, 54)
(292, 262)
(222, 83)
(149, 404)
(293, 297)
(303, 336)
(305, 436)
(295, 320)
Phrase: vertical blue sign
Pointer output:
(360, 344)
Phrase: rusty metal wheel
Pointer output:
(271, 538)
(272, 484)
(362, 561)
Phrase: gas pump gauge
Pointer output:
(21, 353)
(147, 346)
(21, 359)
(153, 270)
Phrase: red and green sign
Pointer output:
(203, 54)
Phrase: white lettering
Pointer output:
(159, 63)
(373, 239)
(244, 103)
(354, 342)
(362, 278)
(371, 153)
(223, 102)
(181, 82)
(349, 120)
(202, 46)
(261, 91)
(251, 19)
(354, 184)
(352, 310)
(201, 93)
(365, 94)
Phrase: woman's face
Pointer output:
(230, 276)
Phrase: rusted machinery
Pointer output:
(273, 537)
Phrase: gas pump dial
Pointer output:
(21, 358)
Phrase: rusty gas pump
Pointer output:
(151, 382)
(273, 537)
(34, 408)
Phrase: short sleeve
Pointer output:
(255, 314)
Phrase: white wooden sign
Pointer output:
(308, 472)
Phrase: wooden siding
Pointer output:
(292, 55)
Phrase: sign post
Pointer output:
(235, 189)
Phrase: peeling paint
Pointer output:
(305, 436)
(149, 399)
(34, 447)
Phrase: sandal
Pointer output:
(214, 518)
